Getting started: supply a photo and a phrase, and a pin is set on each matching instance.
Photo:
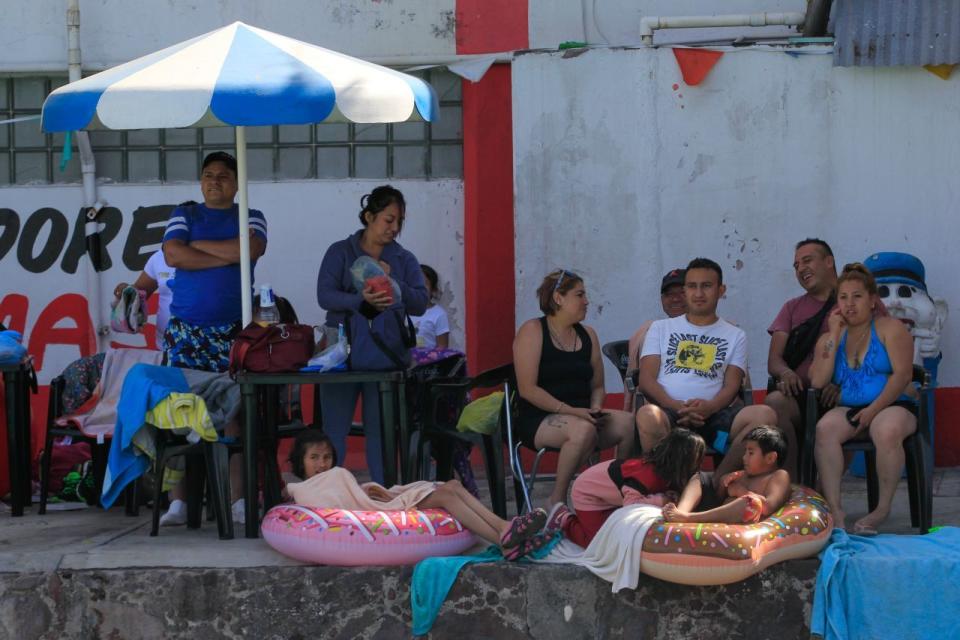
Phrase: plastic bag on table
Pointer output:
(333, 358)
(11, 349)
(367, 272)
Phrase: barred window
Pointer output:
(286, 152)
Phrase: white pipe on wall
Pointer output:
(88, 168)
(649, 24)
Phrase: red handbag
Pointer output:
(273, 349)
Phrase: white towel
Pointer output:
(614, 553)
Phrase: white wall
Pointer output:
(304, 218)
(115, 31)
(622, 177)
(617, 22)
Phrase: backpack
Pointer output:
(380, 343)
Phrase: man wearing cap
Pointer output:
(674, 304)
(202, 243)
(793, 334)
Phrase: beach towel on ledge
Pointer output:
(889, 586)
(614, 555)
(144, 388)
(434, 577)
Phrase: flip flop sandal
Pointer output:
(523, 528)
(526, 548)
(555, 518)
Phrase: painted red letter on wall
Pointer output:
(71, 306)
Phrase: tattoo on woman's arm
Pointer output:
(828, 348)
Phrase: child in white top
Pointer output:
(433, 327)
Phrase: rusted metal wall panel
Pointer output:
(896, 32)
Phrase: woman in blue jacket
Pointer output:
(369, 311)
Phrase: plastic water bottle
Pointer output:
(267, 314)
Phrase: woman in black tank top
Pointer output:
(560, 381)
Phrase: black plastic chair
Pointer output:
(617, 352)
(917, 447)
(445, 401)
(210, 459)
(98, 451)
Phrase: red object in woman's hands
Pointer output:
(380, 284)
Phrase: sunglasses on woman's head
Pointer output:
(564, 274)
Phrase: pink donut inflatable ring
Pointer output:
(350, 538)
(709, 554)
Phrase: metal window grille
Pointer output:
(288, 152)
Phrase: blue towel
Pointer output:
(434, 577)
(144, 388)
(888, 586)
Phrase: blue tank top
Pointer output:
(861, 386)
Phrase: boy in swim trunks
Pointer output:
(749, 495)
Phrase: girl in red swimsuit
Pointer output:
(609, 485)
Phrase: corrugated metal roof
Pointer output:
(896, 32)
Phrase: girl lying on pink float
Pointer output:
(607, 486)
(748, 495)
(324, 484)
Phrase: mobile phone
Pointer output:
(852, 412)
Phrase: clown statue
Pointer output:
(901, 283)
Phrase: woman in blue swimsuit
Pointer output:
(871, 360)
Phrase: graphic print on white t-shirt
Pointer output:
(702, 355)
(693, 358)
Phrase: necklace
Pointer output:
(559, 343)
(856, 349)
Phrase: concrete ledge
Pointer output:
(487, 601)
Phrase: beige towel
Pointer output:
(339, 489)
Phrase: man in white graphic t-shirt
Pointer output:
(691, 369)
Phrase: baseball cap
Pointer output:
(673, 277)
(220, 156)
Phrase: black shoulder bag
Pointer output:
(803, 337)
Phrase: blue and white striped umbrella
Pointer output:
(239, 76)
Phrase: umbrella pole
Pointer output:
(245, 279)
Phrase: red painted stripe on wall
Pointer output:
(946, 427)
(488, 219)
(490, 26)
